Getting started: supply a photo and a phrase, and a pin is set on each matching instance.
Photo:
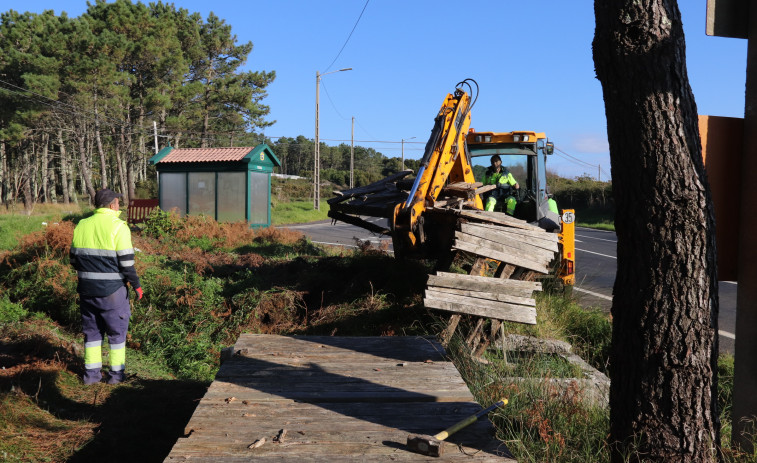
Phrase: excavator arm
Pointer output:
(444, 159)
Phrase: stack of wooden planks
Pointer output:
(529, 249)
(377, 199)
(483, 296)
(523, 253)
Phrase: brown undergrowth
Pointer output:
(204, 284)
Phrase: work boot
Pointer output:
(115, 377)
(92, 376)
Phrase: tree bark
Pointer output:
(3, 174)
(26, 180)
(663, 395)
(44, 170)
(100, 150)
(63, 168)
(123, 187)
(86, 175)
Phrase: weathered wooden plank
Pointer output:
(484, 189)
(504, 270)
(448, 202)
(513, 247)
(534, 232)
(368, 446)
(494, 310)
(301, 370)
(498, 218)
(504, 234)
(488, 339)
(429, 293)
(454, 320)
(464, 186)
(527, 301)
(456, 280)
(472, 340)
(521, 314)
(388, 394)
(372, 211)
(386, 347)
(500, 256)
(315, 412)
(381, 185)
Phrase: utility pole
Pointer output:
(155, 131)
(599, 172)
(317, 153)
(352, 155)
(403, 151)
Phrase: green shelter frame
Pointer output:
(206, 183)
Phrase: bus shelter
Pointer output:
(228, 184)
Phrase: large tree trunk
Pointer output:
(3, 174)
(124, 187)
(44, 170)
(27, 173)
(86, 175)
(100, 150)
(63, 168)
(663, 395)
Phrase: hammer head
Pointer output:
(425, 445)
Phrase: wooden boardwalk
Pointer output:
(334, 399)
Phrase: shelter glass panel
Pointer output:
(231, 196)
(259, 198)
(202, 193)
(173, 192)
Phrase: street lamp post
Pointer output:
(403, 151)
(317, 154)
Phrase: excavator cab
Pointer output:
(523, 154)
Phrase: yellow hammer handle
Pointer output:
(471, 419)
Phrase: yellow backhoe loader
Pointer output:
(425, 212)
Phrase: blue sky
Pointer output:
(532, 60)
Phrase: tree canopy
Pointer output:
(79, 96)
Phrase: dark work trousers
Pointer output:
(99, 316)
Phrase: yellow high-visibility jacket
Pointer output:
(103, 255)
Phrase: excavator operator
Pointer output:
(498, 175)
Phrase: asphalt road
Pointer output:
(595, 266)
(595, 276)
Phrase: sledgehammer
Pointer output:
(433, 446)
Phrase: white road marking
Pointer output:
(598, 239)
(595, 230)
(727, 334)
(592, 293)
(592, 252)
(335, 244)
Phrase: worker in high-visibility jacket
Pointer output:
(498, 175)
(103, 257)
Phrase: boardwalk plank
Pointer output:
(340, 400)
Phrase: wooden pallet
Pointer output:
(522, 251)
(339, 399)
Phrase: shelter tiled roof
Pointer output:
(206, 154)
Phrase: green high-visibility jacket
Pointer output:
(499, 178)
(102, 254)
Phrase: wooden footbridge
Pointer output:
(334, 399)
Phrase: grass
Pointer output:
(205, 283)
(16, 223)
(595, 218)
(289, 212)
